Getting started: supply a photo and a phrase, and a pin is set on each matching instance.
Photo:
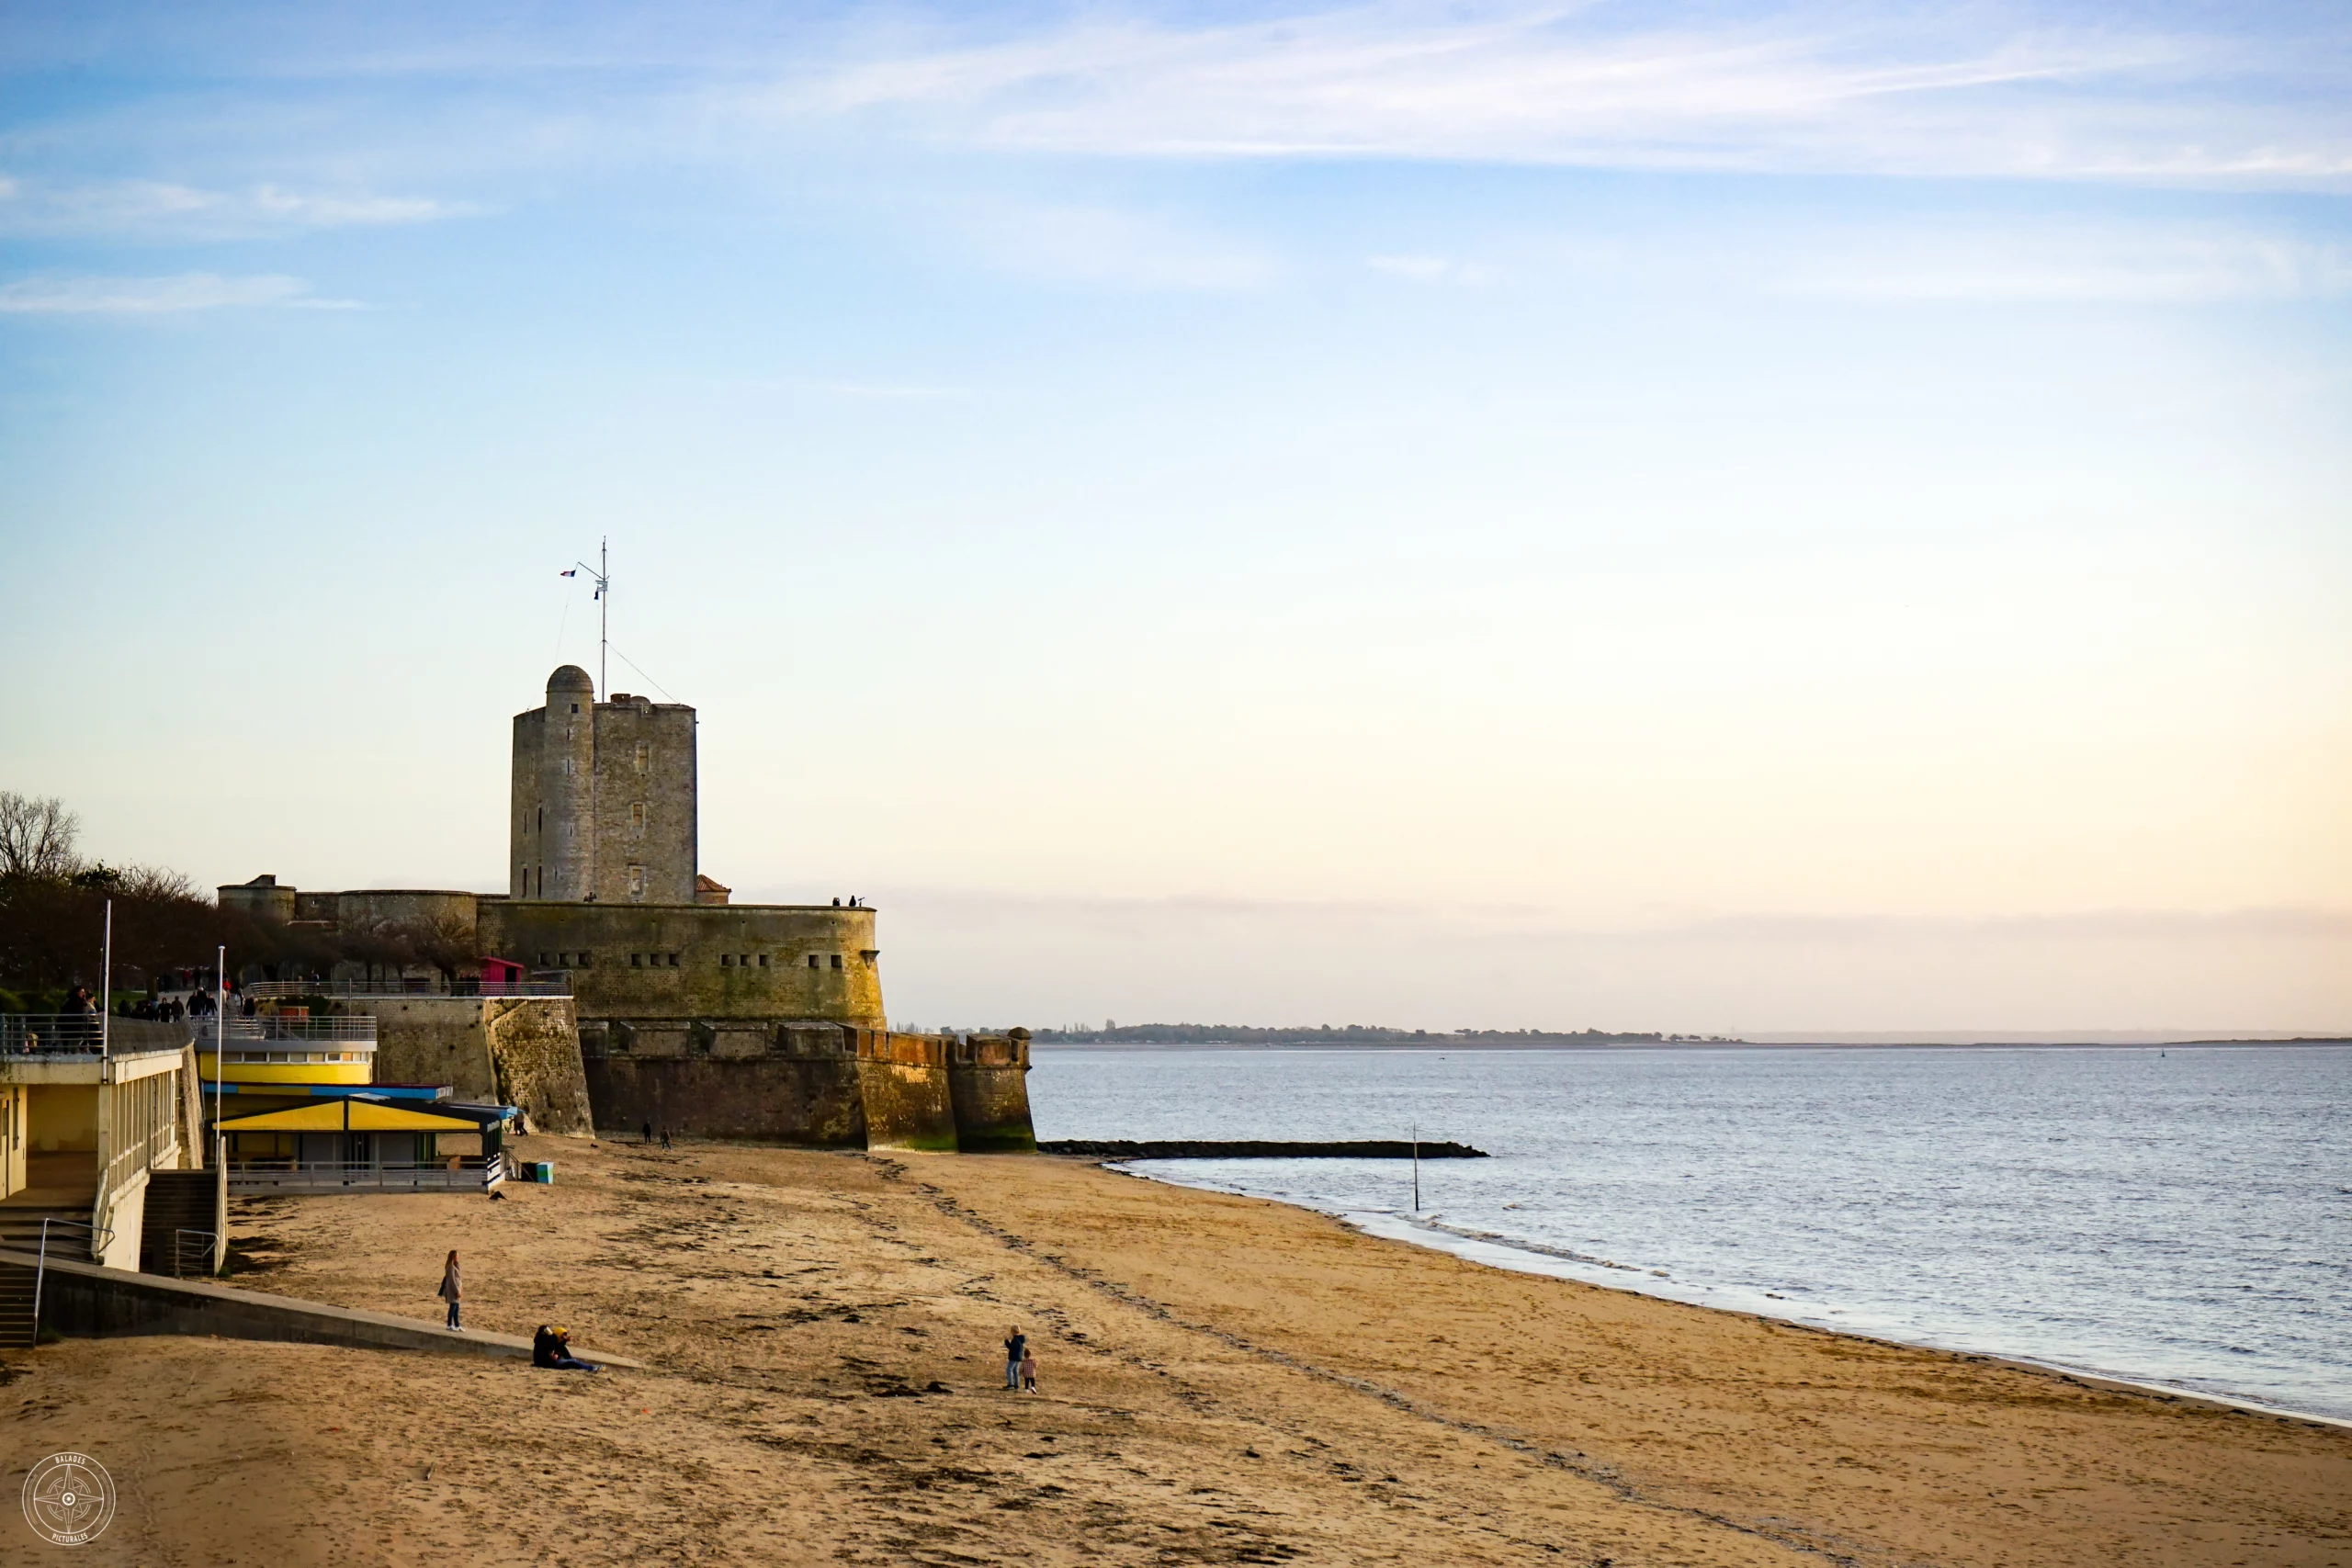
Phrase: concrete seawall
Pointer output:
(84, 1300)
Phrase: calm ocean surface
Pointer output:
(2182, 1218)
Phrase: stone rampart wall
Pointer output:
(810, 1083)
(510, 1051)
(786, 1099)
(717, 962)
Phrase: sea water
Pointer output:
(2179, 1216)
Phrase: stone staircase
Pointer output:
(16, 1307)
(178, 1201)
(20, 1232)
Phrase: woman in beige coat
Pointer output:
(448, 1292)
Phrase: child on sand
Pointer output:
(1029, 1371)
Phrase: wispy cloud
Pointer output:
(1431, 269)
(158, 296)
(166, 207)
(1111, 246)
(1798, 88)
(2127, 266)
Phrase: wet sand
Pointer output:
(1224, 1380)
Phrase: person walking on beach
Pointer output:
(665, 1140)
(1028, 1371)
(448, 1292)
(649, 1134)
(1016, 1345)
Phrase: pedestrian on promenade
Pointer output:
(448, 1292)
(1016, 1345)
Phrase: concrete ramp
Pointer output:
(84, 1300)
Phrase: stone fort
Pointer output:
(759, 1021)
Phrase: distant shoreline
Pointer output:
(1441, 1046)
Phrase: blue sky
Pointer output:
(1719, 517)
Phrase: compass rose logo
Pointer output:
(69, 1499)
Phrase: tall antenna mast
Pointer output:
(602, 576)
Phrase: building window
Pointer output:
(567, 767)
(575, 707)
(636, 961)
(836, 960)
(587, 960)
(726, 961)
(674, 961)
(637, 818)
(764, 960)
(812, 961)
(637, 882)
(644, 757)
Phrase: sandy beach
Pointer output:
(1224, 1380)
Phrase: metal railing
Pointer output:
(434, 986)
(41, 1267)
(80, 1034)
(343, 1029)
(209, 1253)
(458, 1172)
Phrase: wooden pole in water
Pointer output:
(1417, 1168)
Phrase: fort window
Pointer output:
(674, 961)
(636, 815)
(726, 961)
(836, 960)
(587, 960)
(644, 756)
(575, 707)
(637, 882)
(812, 961)
(636, 961)
(764, 960)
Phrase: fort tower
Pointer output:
(602, 799)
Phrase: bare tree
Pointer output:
(36, 836)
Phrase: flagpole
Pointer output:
(106, 989)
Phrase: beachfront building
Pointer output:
(94, 1117)
(294, 1102)
(366, 1141)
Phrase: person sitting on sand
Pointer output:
(1016, 1345)
(1028, 1371)
(552, 1347)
